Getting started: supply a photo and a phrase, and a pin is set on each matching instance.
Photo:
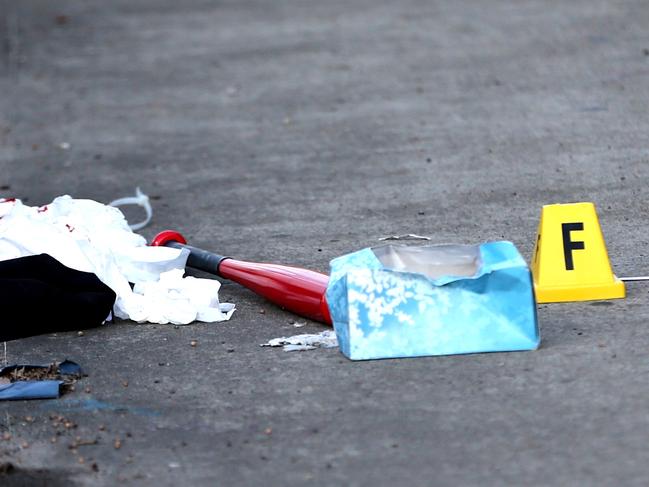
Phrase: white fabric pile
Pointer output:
(92, 237)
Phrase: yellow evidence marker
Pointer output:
(570, 259)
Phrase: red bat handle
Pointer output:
(298, 290)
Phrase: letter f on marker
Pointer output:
(570, 245)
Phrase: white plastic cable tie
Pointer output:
(139, 199)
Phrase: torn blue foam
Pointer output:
(398, 301)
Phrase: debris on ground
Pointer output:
(307, 341)
(67, 370)
(407, 236)
(38, 381)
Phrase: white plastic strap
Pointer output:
(139, 199)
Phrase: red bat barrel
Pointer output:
(298, 290)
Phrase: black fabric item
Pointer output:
(39, 295)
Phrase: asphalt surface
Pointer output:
(294, 132)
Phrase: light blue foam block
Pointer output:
(388, 311)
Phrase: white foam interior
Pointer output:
(434, 261)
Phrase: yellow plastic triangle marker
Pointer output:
(570, 259)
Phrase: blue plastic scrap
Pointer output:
(31, 389)
(398, 301)
(36, 389)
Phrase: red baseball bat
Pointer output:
(298, 290)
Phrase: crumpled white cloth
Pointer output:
(92, 237)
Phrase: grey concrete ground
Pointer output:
(293, 131)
